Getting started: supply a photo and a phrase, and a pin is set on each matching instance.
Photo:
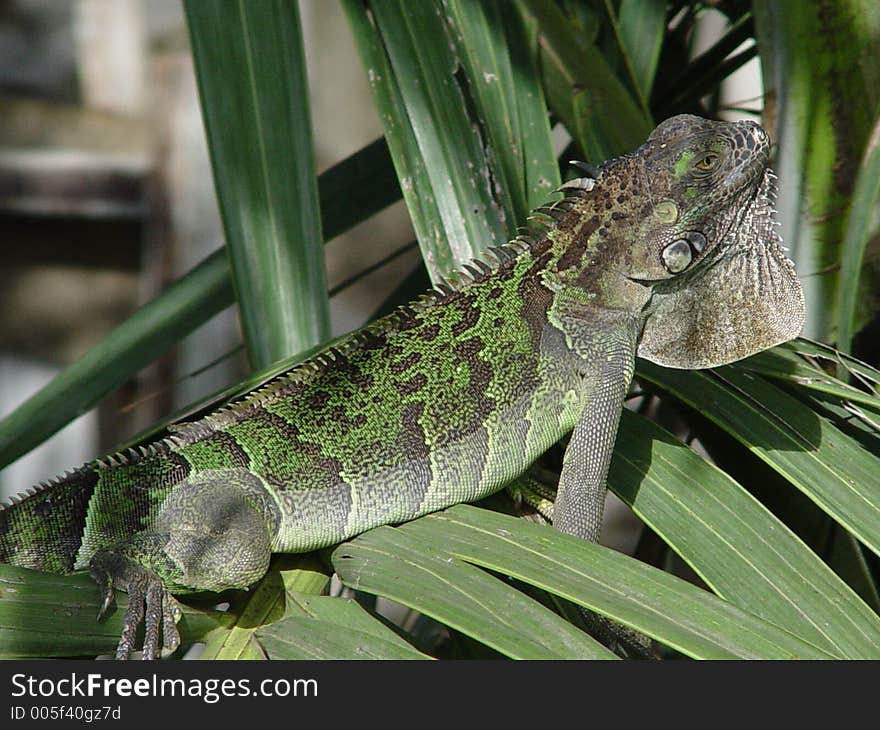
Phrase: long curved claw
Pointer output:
(171, 614)
(108, 593)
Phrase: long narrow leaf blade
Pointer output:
(421, 574)
(795, 364)
(401, 140)
(742, 551)
(333, 628)
(830, 467)
(641, 27)
(250, 66)
(499, 53)
(583, 90)
(858, 231)
(689, 619)
(433, 120)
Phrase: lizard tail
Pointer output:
(43, 528)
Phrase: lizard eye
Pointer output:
(707, 162)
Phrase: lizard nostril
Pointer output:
(756, 131)
(753, 136)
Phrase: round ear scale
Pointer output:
(677, 256)
(680, 254)
(697, 240)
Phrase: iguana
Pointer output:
(669, 252)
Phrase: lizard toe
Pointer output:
(152, 619)
(134, 616)
(161, 614)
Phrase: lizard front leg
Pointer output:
(602, 344)
(214, 532)
(601, 335)
(580, 501)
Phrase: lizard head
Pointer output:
(698, 179)
(707, 246)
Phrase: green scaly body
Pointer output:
(668, 253)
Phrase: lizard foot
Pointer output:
(627, 643)
(149, 602)
(213, 532)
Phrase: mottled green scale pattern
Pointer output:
(211, 453)
(126, 495)
(425, 412)
(45, 530)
